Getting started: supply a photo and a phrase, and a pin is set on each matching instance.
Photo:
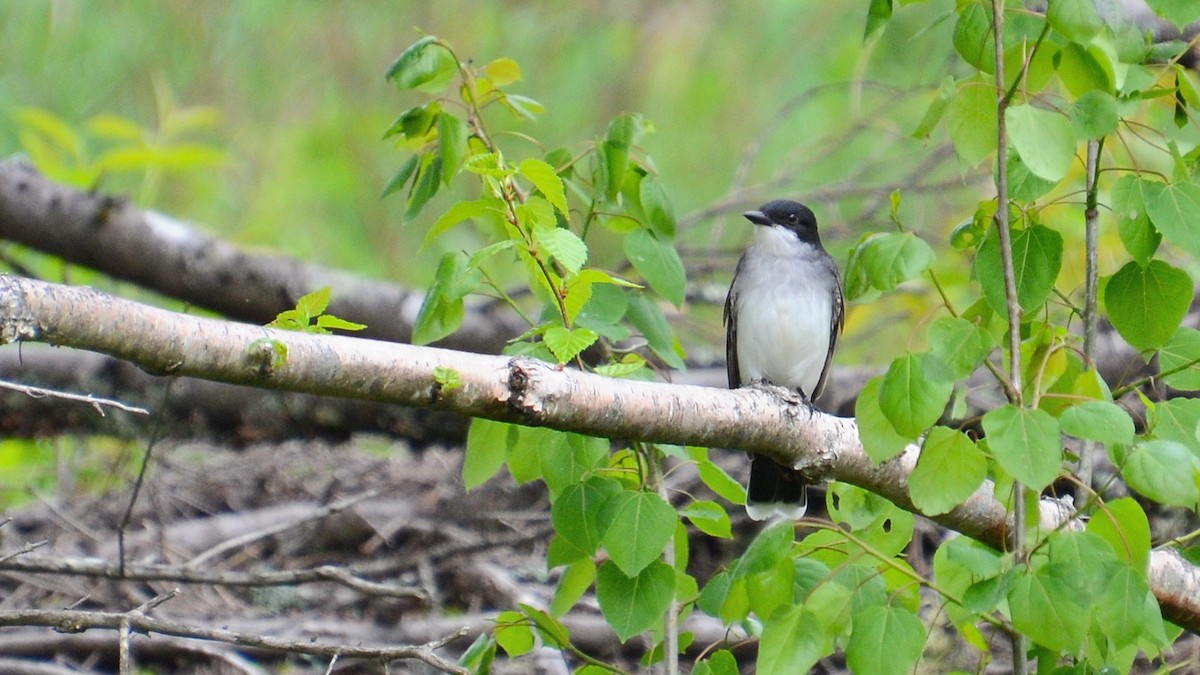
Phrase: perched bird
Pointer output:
(783, 316)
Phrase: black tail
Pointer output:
(775, 490)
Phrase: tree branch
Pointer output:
(519, 390)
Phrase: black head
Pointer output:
(789, 215)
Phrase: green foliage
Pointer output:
(1068, 79)
(309, 316)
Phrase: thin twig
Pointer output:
(186, 575)
(75, 621)
(141, 477)
(94, 401)
(251, 537)
(1091, 318)
(23, 550)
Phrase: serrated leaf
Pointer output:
(1025, 443)
(315, 303)
(633, 605)
(885, 639)
(1174, 208)
(1043, 139)
(400, 178)
(911, 397)
(974, 41)
(1164, 471)
(1037, 258)
(330, 322)
(641, 524)
(1098, 421)
(658, 263)
(1138, 234)
(792, 642)
(1179, 12)
(949, 470)
(566, 247)
(1127, 609)
(544, 178)
(770, 547)
(1147, 304)
(425, 186)
(460, 212)
(566, 343)
(426, 66)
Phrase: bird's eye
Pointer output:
(792, 218)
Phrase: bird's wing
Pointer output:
(837, 320)
(731, 358)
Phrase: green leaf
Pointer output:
(1147, 304)
(1025, 443)
(937, 108)
(487, 447)
(1080, 71)
(879, 438)
(1164, 471)
(513, 633)
(878, 14)
(971, 120)
(792, 642)
(770, 547)
(658, 263)
(503, 71)
(1138, 234)
(1043, 139)
(452, 144)
(646, 316)
(1178, 12)
(426, 66)
(641, 524)
(949, 470)
(566, 247)
(315, 303)
(552, 631)
(660, 215)
(720, 482)
(885, 639)
(546, 180)
(1127, 609)
(708, 517)
(633, 605)
(564, 459)
(425, 186)
(576, 513)
(1023, 184)
(1077, 20)
(1123, 524)
(1037, 258)
(1182, 352)
(442, 312)
(974, 41)
(1174, 208)
(895, 257)
(575, 581)
(911, 397)
(1098, 421)
(959, 344)
(1176, 419)
(328, 322)
(1045, 608)
(456, 214)
(1094, 115)
(400, 178)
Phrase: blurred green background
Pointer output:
(264, 119)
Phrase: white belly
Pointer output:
(783, 335)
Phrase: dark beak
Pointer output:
(757, 217)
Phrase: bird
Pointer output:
(783, 315)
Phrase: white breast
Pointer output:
(784, 306)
